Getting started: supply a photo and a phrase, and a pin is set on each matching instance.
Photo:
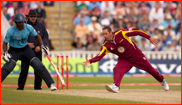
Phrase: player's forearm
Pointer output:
(138, 32)
(95, 59)
(39, 39)
(5, 47)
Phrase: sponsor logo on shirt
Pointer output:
(112, 48)
(34, 30)
(121, 49)
(16, 36)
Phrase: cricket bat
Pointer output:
(59, 75)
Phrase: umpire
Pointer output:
(34, 45)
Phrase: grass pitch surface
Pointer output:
(10, 96)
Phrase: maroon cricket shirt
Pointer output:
(121, 45)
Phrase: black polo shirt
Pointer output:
(41, 30)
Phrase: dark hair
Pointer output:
(108, 28)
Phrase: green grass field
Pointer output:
(9, 96)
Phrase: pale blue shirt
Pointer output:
(18, 38)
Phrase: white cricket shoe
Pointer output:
(112, 88)
(165, 85)
(53, 87)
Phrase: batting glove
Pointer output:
(6, 56)
(45, 49)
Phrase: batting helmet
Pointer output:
(19, 17)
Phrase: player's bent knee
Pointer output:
(9, 66)
(36, 64)
(41, 69)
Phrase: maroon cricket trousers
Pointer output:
(138, 60)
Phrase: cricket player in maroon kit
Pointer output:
(128, 53)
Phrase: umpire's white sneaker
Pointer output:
(165, 85)
(53, 87)
(112, 88)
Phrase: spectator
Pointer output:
(77, 14)
(120, 9)
(49, 3)
(178, 13)
(107, 5)
(81, 31)
(83, 3)
(170, 33)
(169, 47)
(113, 19)
(178, 47)
(79, 2)
(33, 5)
(178, 37)
(16, 10)
(153, 25)
(8, 17)
(165, 39)
(95, 27)
(119, 24)
(144, 23)
(106, 20)
(75, 41)
(132, 16)
(169, 22)
(171, 6)
(161, 29)
(95, 12)
(132, 6)
(89, 40)
(94, 46)
(94, 4)
(144, 8)
(9, 4)
(167, 12)
(86, 19)
(25, 9)
(156, 13)
(84, 8)
(79, 46)
(11, 9)
(129, 24)
(144, 45)
(146, 3)
(42, 14)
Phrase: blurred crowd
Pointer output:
(161, 19)
(10, 8)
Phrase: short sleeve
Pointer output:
(32, 31)
(7, 37)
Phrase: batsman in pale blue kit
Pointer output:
(17, 36)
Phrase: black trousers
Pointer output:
(24, 72)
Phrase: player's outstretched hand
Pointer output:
(6, 56)
(45, 49)
(153, 40)
(87, 63)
